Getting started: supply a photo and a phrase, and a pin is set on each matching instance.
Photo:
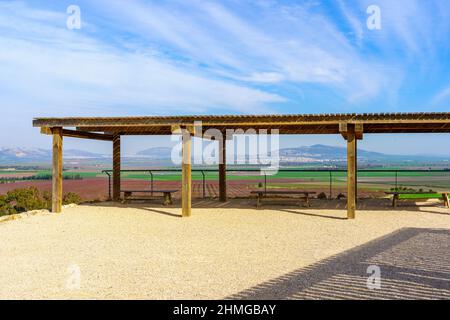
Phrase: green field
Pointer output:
(47, 172)
(421, 196)
(375, 181)
(320, 176)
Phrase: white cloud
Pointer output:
(135, 57)
(57, 71)
(200, 56)
(441, 96)
(411, 29)
(268, 43)
(356, 24)
(264, 77)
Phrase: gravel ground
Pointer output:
(148, 252)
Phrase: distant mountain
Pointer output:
(22, 155)
(315, 153)
(305, 154)
(80, 154)
(324, 153)
(159, 153)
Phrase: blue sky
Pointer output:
(225, 57)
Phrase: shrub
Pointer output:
(5, 207)
(71, 197)
(322, 196)
(21, 200)
(47, 198)
(25, 199)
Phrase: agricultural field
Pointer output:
(88, 189)
(94, 185)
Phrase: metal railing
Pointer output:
(264, 174)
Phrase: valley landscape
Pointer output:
(320, 168)
(247, 151)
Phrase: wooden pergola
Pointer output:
(351, 126)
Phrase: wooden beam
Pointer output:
(57, 179)
(87, 135)
(116, 168)
(186, 178)
(80, 134)
(167, 130)
(351, 172)
(222, 170)
(251, 120)
(283, 129)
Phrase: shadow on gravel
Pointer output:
(414, 264)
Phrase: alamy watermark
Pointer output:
(373, 22)
(243, 147)
(374, 280)
(74, 19)
(73, 280)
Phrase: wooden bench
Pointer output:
(396, 196)
(303, 195)
(166, 195)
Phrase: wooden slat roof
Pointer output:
(287, 124)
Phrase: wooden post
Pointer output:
(186, 175)
(446, 200)
(116, 168)
(222, 170)
(395, 200)
(359, 133)
(356, 170)
(57, 192)
(351, 171)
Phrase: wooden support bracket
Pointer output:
(178, 129)
(359, 130)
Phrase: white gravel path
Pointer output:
(145, 252)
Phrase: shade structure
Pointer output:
(351, 126)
